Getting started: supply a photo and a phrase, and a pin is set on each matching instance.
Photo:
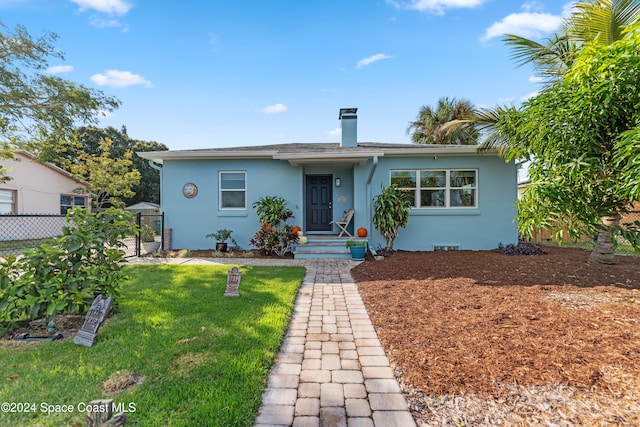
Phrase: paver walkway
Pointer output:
(331, 369)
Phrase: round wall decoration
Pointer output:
(189, 190)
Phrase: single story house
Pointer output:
(35, 197)
(463, 198)
(37, 187)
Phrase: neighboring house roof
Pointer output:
(142, 206)
(51, 166)
(299, 153)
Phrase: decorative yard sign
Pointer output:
(88, 334)
(233, 283)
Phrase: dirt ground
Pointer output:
(480, 338)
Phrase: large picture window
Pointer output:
(7, 202)
(451, 188)
(70, 201)
(233, 190)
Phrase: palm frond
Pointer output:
(550, 61)
(495, 126)
(602, 21)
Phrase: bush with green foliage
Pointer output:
(65, 274)
(275, 236)
(390, 212)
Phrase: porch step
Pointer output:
(324, 247)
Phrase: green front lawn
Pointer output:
(204, 357)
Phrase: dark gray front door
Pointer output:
(319, 209)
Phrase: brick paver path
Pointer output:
(332, 370)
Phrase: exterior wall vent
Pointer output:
(446, 247)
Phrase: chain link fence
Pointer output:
(26, 231)
(20, 232)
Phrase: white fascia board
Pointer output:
(448, 150)
(160, 156)
(296, 159)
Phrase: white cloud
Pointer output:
(524, 24)
(117, 78)
(112, 7)
(274, 109)
(335, 133)
(435, 6)
(536, 79)
(371, 59)
(60, 69)
(104, 23)
(530, 95)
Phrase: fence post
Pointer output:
(138, 236)
(162, 231)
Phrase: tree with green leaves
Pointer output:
(430, 125)
(110, 180)
(34, 104)
(87, 140)
(391, 212)
(590, 179)
(599, 22)
(580, 135)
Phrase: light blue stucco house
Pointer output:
(463, 198)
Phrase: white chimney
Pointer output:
(349, 127)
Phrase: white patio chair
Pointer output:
(344, 222)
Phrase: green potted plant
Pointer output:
(221, 237)
(357, 249)
(148, 238)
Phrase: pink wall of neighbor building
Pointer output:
(36, 187)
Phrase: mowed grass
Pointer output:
(204, 357)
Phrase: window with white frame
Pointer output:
(7, 201)
(437, 188)
(233, 189)
(70, 201)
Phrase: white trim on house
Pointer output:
(318, 153)
(223, 190)
(446, 189)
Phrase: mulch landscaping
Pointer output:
(484, 338)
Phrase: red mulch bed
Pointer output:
(501, 334)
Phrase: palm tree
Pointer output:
(429, 127)
(601, 21)
(598, 22)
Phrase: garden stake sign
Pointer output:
(88, 334)
(233, 283)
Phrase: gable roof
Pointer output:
(305, 153)
(51, 166)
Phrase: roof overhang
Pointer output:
(161, 156)
(333, 158)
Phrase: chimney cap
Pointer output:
(347, 111)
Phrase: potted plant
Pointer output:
(221, 237)
(357, 249)
(148, 238)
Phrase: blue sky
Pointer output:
(199, 74)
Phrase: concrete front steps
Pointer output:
(324, 246)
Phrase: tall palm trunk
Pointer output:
(603, 252)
